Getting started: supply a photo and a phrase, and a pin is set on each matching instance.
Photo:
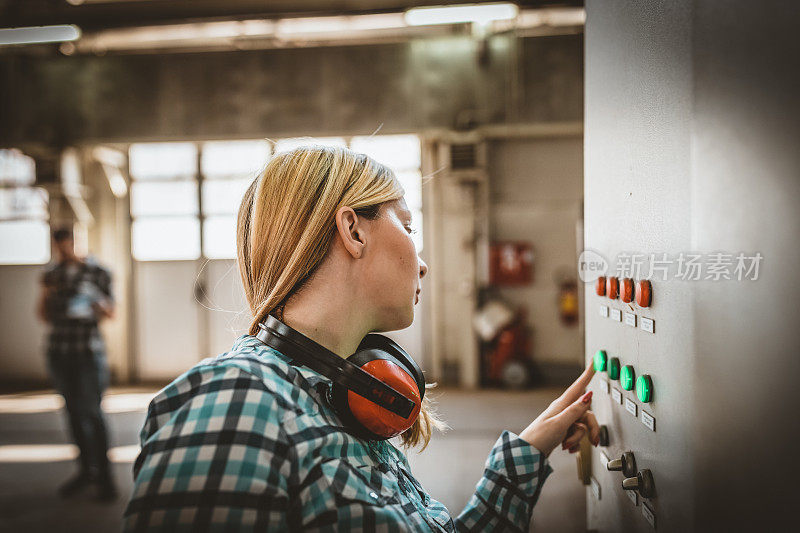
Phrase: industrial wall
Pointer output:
(419, 86)
(691, 146)
(410, 86)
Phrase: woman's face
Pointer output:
(395, 271)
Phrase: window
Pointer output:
(164, 201)
(227, 168)
(284, 145)
(169, 214)
(402, 154)
(24, 219)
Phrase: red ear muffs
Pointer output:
(375, 418)
(377, 391)
(384, 359)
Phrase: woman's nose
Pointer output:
(423, 268)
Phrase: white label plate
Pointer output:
(648, 420)
(616, 314)
(633, 496)
(604, 311)
(649, 515)
(630, 319)
(617, 395)
(630, 406)
(604, 386)
(595, 488)
(648, 324)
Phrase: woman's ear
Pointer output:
(351, 230)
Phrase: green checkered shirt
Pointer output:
(248, 442)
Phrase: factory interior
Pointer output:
(606, 187)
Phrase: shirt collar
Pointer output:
(249, 341)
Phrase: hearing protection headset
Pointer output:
(377, 391)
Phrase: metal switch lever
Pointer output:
(643, 482)
(626, 463)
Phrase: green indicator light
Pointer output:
(644, 388)
(600, 359)
(613, 368)
(626, 377)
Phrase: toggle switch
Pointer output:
(613, 368)
(644, 388)
(626, 377)
(626, 464)
(603, 436)
(612, 288)
(600, 359)
(600, 286)
(644, 293)
(626, 290)
(642, 482)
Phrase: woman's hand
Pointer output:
(566, 420)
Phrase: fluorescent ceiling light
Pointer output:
(556, 16)
(175, 34)
(480, 13)
(321, 31)
(39, 34)
(339, 24)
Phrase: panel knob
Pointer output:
(626, 290)
(612, 288)
(626, 464)
(600, 286)
(644, 293)
(613, 368)
(644, 388)
(627, 377)
(603, 436)
(643, 482)
(600, 359)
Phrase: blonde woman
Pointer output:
(248, 441)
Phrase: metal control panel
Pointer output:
(624, 472)
(691, 138)
(638, 325)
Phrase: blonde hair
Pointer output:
(286, 225)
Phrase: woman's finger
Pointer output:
(573, 392)
(573, 412)
(590, 420)
(576, 436)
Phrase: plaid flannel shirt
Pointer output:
(247, 441)
(71, 337)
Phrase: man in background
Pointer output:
(76, 296)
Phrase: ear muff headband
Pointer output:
(293, 344)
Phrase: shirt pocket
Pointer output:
(380, 486)
(353, 482)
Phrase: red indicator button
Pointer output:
(626, 292)
(644, 293)
(612, 288)
(600, 286)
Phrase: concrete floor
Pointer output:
(35, 456)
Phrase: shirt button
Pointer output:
(373, 495)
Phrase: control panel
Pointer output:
(625, 469)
